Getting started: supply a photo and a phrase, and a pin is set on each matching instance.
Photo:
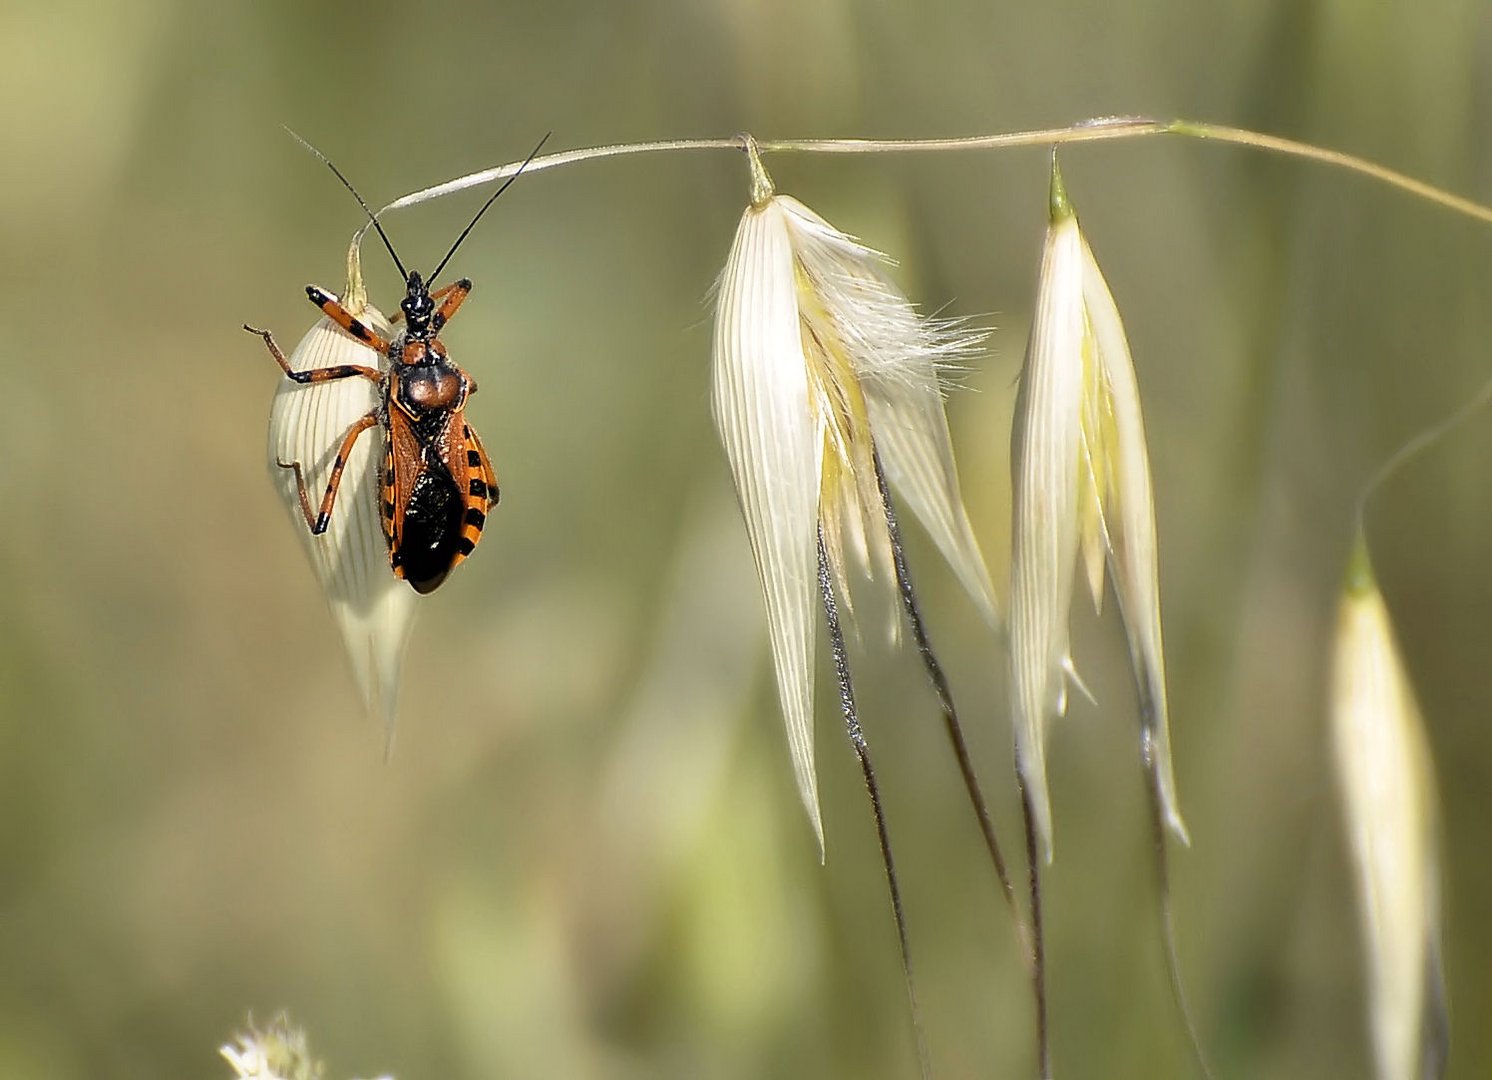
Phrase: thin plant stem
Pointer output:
(1163, 892)
(945, 702)
(873, 789)
(1277, 144)
(564, 157)
(1101, 129)
(1421, 442)
(1038, 937)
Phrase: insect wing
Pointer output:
(401, 463)
(430, 517)
(435, 510)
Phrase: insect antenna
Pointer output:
(371, 216)
(489, 202)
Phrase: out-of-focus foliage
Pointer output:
(586, 856)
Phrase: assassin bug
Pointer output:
(437, 483)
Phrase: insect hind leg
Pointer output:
(318, 521)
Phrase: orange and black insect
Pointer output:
(437, 483)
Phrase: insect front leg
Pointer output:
(334, 311)
(315, 375)
(455, 294)
(318, 521)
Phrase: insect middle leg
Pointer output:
(318, 521)
(315, 375)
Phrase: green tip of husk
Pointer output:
(762, 187)
(1359, 580)
(355, 296)
(1059, 207)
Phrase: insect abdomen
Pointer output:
(431, 537)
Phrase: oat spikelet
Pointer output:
(819, 363)
(373, 610)
(1082, 493)
(1388, 800)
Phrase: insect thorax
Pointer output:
(430, 388)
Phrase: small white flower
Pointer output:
(278, 1052)
(1388, 794)
(820, 363)
(374, 610)
(1081, 489)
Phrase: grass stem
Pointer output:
(1100, 129)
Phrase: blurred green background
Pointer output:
(586, 857)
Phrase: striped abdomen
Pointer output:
(433, 513)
